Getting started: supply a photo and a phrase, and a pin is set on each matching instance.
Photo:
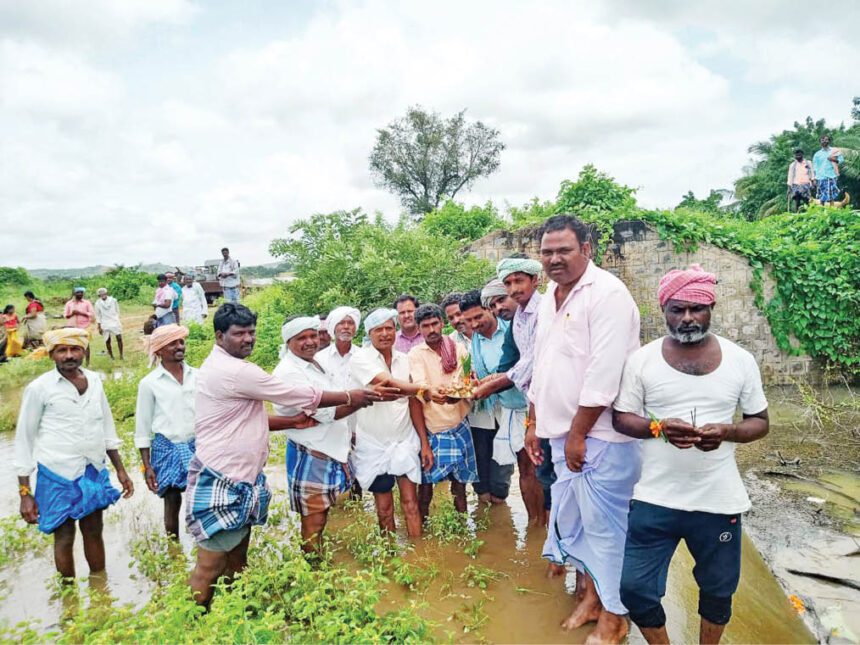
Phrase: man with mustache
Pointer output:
(408, 336)
(587, 326)
(680, 393)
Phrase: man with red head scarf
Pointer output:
(679, 394)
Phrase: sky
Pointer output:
(162, 130)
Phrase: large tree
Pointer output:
(425, 159)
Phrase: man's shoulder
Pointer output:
(42, 381)
(645, 354)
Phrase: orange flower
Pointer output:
(656, 428)
(797, 603)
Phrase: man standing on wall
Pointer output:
(825, 165)
(801, 176)
(228, 276)
(685, 388)
(588, 325)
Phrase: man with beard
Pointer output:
(588, 325)
(66, 433)
(685, 388)
(164, 420)
(227, 491)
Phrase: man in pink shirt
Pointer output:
(587, 326)
(227, 490)
(80, 313)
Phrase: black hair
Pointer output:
(800, 150)
(406, 297)
(161, 277)
(230, 314)
(450, 299)
(566, 222)
(471, 299)
(225, 249)
(30, 294)
(428, 311)
(9, 308)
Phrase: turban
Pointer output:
(493, 289)
(71, 336)
(338, 315)
(379, 316)
(295, 327)
(101, 290)
(79, 290)
(161, 337)
(518, 265)
(691, 285)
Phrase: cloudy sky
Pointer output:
(161, 130)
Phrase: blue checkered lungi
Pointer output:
(453, 454)
(828, 190)
(216, 503)
(170, 462)
(314, 480)
(59, 498)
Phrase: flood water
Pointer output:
(520, 605)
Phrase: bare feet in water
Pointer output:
(611, 628)
(554, 570)
(586, 611)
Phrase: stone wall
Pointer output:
(639, 257)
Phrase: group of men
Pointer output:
(819, 176)
(629, 449)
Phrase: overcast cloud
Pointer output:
(161, 130)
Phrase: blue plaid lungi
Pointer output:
(828, 190)
(170, 462)
(59, 498)
(314, 480)
(453, 454)
(216, 503)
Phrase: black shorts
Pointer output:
(653, 533)
(383, 484)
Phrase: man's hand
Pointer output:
(680, 433)
(302, 421)
(426, 456)
(532, 444)
(712, 435)
(574, 451)
(150, 478)
(363, 398)
(29, 509)
(125, 482)
(438, 395)
(482, 391)
(388, 393)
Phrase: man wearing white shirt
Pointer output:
(107, 319)
(194, 305)
(680, 393)
(317, 457)
(164, 420)
(387, 445)
(66, 430)
(228, 276)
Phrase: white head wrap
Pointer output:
(379, 316)
(518, 265)
(337, 316)
(295, 327)
(493, 289)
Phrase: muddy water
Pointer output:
(521, 605)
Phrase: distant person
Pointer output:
(325, 337)
(679, 394)
(66, 433)
(228, 276)
(164, 420)
(34, 323)
(825, 164)
(408, 336)
(163, 302)
(14, 344)
(800, 179)
(79, 312)
(177, 289)
(108, 321)
(194, 305)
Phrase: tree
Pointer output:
(424, 159)
(593, 192)
(719, 202)
(368, 264)
(762, 191)
(459, 223)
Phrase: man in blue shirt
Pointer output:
(497, 449)
(171, 280)
(825, 165)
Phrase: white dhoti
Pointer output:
(371, 458)
(510, 437)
